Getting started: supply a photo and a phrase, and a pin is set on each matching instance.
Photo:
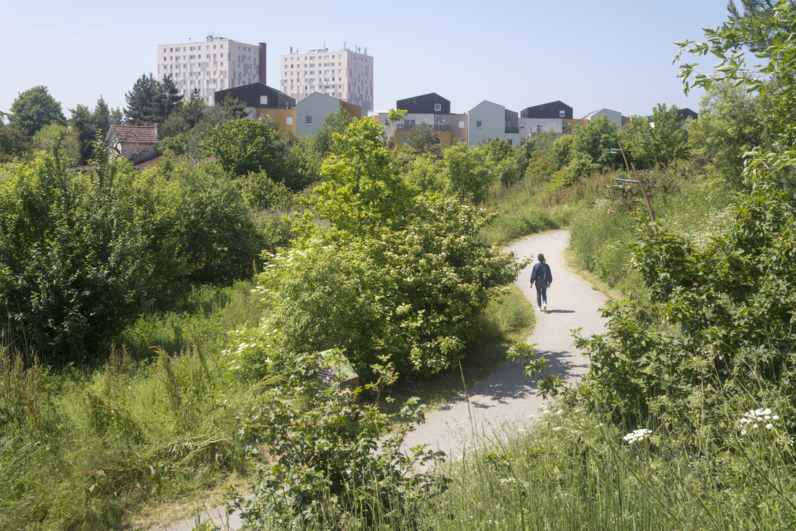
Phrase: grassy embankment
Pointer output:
(569, 469)
(573, 470)
(151, 435)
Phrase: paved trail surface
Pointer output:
(507, 396)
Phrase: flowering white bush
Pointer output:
(637, 435)
(752, 417)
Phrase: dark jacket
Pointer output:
(542, 273)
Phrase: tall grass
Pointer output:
(681, 202)
(81, 448)
(565, 469)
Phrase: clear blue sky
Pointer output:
(589, 54)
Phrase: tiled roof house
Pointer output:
(137, 143)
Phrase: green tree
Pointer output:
(15, 145)
(467, 173)
(73, 260)
(35, 108)
(199, 228)
(756, 11)
(564, 150)
(363, 193)
(541, 167)
(323, 139)
(426, 172)
(63, 137)
(423, 138)
(597, 140)
(541, 142)
(82, 122)
(151, 101)
(245, 146)
(669, 136)
(730, 124)
(635, 138)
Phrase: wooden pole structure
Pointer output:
(657, 169)
(624, 157)
(646, 199)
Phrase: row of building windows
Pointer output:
(193, 48)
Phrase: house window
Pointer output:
(289, 120)
(437, 107)
(562, 114)
(541, 128)
(478, 124)
(308, 120)
(461, 124)
(405, 140)
(509, 141)
(438, 141)
(522, 126)
(263, 100)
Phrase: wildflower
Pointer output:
(637, 435)
(755, 426)
(559, 411)
(775, 417)
(743, 432)
(556, 429)
(508, 480)
(769, 426)
(520, 430)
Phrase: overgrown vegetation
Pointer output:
(151, 347)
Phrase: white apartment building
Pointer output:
(345, 74)
(213, 65)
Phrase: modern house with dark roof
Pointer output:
(262, 100)
(547, 117)
(430, 109)
(687, 113)
(431, 103)
(552, 110)
(257, 96)
(136, 143)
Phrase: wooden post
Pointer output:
(646, 199)
(657, 169)
(623, 156)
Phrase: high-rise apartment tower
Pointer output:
(345, 74)
(213, 65)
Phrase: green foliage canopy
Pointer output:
(35, 108)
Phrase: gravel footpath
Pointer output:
(506, 395)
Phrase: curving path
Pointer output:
(506, 395)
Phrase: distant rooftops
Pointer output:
(554, 109)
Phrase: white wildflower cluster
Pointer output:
(755, 417)
(637, 435)
(508, 480)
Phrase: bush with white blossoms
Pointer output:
(637, 435)
(755, 417)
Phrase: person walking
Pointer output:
(543, 277)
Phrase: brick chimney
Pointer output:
(263, 62)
